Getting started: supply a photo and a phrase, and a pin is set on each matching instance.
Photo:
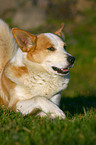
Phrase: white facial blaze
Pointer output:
(58, 58)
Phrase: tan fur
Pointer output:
(6, 85)
(41, 51)
(24, 39)
(8, 46)
(59, 31)
(28, 80)
(18, 71)
(2, 102)
(13, 107)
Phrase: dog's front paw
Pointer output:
(53, 115)
(42, 114)
(57, 114)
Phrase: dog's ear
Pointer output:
(59, 31)
(25, 40)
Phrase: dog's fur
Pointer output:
(28, 83)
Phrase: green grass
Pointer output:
(78, 100)
(78, 128)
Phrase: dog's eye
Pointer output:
(51, 48)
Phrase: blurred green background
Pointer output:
(79, 16)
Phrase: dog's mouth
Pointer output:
(62, 71)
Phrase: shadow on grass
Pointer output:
(78, 105)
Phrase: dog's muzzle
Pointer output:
(70, 59)
(65, 71)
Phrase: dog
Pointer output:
(34, 69)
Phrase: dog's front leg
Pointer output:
(40, 103)
(56, 99)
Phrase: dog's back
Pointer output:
(7, 44)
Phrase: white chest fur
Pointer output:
(45, 85)
(38, 81)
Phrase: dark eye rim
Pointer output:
(51, 48)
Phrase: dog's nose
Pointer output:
(71, 59)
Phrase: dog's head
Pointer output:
(46, 49)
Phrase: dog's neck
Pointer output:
(18, 58)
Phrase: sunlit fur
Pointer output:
(34, 87)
